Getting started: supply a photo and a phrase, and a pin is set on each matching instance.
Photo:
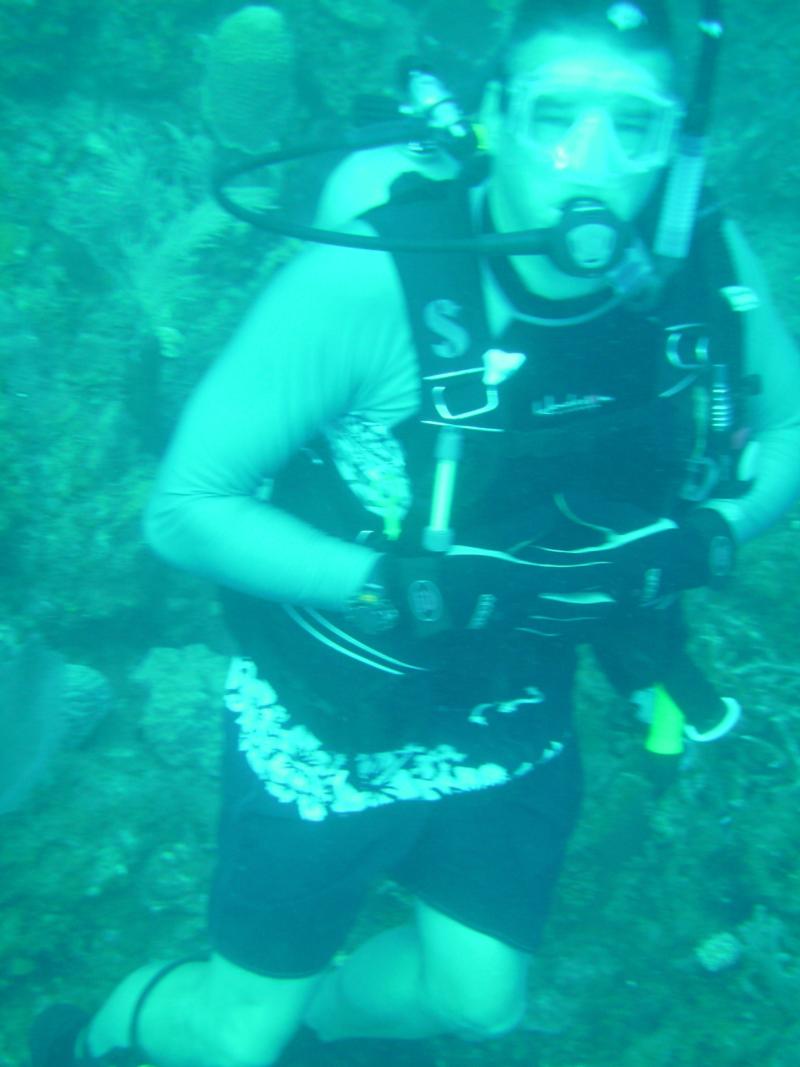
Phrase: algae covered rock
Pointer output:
(358, 13)
(179, 722)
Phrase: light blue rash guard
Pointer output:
(329, 338)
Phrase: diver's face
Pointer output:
(581, 118)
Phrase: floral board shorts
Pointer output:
(306, 832)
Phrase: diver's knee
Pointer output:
(237, 1043)
(477, 1014)
(244, 1019)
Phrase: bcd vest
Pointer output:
(600, 395)
(631, 403)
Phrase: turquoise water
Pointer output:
(120, 282)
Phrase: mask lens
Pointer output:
(552, 116)
(553, 119)
(639, 125)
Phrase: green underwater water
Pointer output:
(119, 281)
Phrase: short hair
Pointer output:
(643, 25)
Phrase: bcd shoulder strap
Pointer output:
(442, 290)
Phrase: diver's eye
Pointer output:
(552, 116)
(633, 122)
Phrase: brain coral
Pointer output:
(247, 93)
(718, 952)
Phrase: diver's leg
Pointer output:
(483, 873)
(201, 1014)
(432, 976)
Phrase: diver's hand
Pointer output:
(650, 559)
(543, 591)
(632, 560)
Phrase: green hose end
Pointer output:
(666, 736)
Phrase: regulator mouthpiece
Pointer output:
(588, 240)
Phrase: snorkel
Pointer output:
(588, 240)
(685, 182)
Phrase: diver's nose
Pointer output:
(589, 154)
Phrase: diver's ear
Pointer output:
(491, 115)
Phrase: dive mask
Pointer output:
(591, 129)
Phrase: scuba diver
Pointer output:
(531, 405)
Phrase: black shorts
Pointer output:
(286, 890)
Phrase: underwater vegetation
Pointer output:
(675, 939)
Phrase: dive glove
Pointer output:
(541, 590)
(650, 559)
(624, 559)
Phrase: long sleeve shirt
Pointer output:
(330, 337)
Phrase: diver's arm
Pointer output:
(773, 414)
(328, 337)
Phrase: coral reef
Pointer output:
(372, 15)
(368, 41)
(718, 952)
(248, 87)
(184, 687)
(87, 700)
(756, 129)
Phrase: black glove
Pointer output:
(545, 591)
(624, 558)
(651, 559)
